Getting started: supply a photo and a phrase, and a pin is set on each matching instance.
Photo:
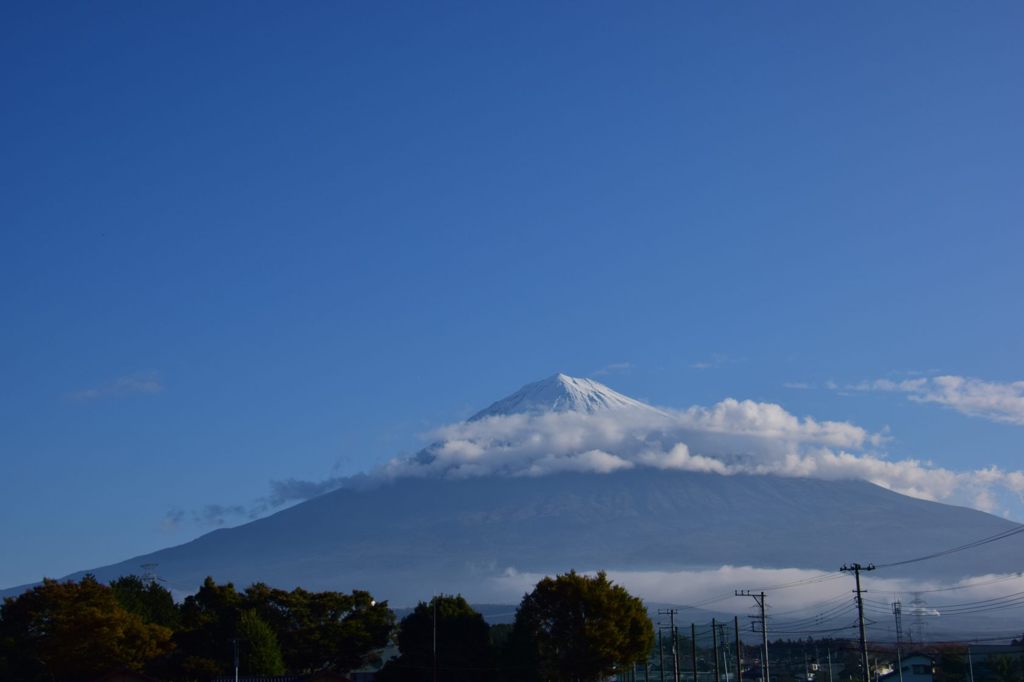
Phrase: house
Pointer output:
(913, 668)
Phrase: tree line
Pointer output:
(570, 627)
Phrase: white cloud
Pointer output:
(790, 589)
(728, 438)
(137, 383)
(999, 402)
(715, 361)
(613, 368)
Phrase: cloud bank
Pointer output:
(728, 438)
(998, 402)
(794, 593)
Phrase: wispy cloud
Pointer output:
(218, 514)
(798, 385)
(998, 402)
(613, 368)
(172, 520)
(295, 490)
(145, 383)
(715, 361)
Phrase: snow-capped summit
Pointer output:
(561, 393)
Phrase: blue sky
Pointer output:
(250, 243)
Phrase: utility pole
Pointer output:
(897, 612)
(759, 598)
(693, 649)
(856, 569)
(661, 657)
(671, 613)
(435, 639)
(714, 647)
(235, 642)
(739, 651)
(675, 647)
(725, 650)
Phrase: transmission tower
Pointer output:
(149, 573)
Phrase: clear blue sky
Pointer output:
(243, 242)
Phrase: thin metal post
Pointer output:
(725, 650)
(675, 647)
(693, 649)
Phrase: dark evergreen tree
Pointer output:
(463, 645)
(150, 600)
(323, 630)
(259, 642)
(209, 621)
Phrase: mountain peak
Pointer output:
(560, 393)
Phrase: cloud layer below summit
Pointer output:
(728, 438)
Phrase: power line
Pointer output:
(970, 545)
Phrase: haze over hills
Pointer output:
(486, 511)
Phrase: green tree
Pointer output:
(61, 630)
(463, 648)
(1005, 668)
(263, 654)
(209, 620)
(150, 600)
(323, 630)
(584, 628)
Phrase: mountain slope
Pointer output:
(409, 538)
(426, 530)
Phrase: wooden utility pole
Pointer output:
(759, 598)
(856, 569)
(739, 651)
(661, 658)
(671, 613)
(714, 646)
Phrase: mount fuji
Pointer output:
(561, 393)
(568, 474)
